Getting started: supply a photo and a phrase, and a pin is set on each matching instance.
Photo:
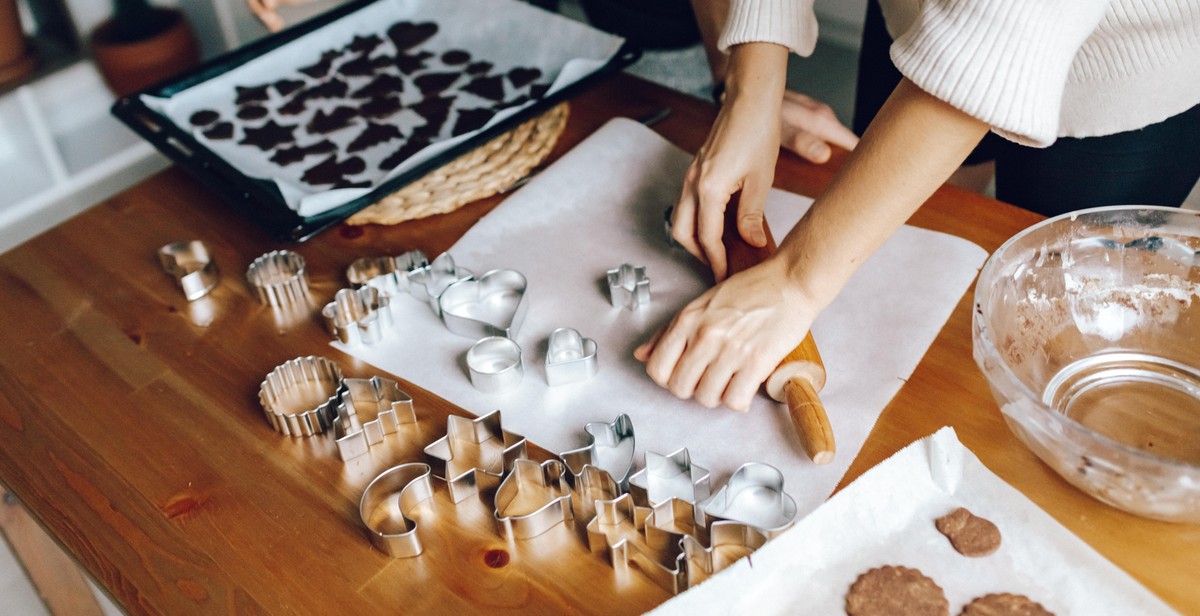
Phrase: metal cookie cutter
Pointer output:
(388, 274)
(300, 397)
(591, 484)
(753, 496)
(386, 508)
(358, 315)
(570, 358)
(280, 277)
(533, 499)
(192, 266)
(474, 455)
(610, 447)
(428, 283)
(668, 477)
(491, 305)
(628, 286)
(494, 364)
(379, 398)
(730, 541)
(617, 528)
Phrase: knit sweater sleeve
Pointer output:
(1004, 62)
(791, 23)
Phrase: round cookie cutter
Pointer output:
(280, 277)
(494, 364)
(300, 397)
(192, 266)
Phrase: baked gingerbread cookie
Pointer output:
(1004, 604)
(970, 534)
(893, 590)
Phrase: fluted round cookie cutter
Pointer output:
(192, 266)
(280, 277)
(494, 364)
(300, 397)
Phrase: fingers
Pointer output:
(750, 214)
(809, 127)
(683, 219)
(266, 12)
(709, 226)
(643, 352)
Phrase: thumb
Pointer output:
(750, 218)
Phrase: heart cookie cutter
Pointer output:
(490, 305)
(381, 399)
(388, 274)
(280, 277)
(474, 455)
(386, 508)
(570, 358)
(358, 316)
(610, 447)
(192, 267)
(628, 286)
(300, 397)
(533, 499)
(429, 282)
(753, 496)
(494, 364)
(669, 477)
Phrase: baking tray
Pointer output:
(262, 199)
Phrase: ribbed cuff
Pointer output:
(791, 23)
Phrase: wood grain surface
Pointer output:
(131, 430)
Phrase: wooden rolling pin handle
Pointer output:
(810, 420)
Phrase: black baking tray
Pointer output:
(260, 199)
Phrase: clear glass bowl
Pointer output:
(1087, 327)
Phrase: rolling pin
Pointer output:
(801, 374)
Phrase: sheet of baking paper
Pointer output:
(886, 517)
(602, 205)
(513, 34)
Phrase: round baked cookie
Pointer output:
(1005, 604)
(895, 591)
(970, 534)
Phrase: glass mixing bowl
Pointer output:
(1087, 327)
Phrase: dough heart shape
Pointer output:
(491, 305)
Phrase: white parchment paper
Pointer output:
(506, 33)
(602, 205)
(886, 517)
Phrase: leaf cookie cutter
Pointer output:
(280, 277)
(300, 397)
(192, 266)
(376, 397)
(387, 504)
(358, 316)
(490, 305)
(570, 358)
(388, 274)
(474, 455)
(494, 364)
(669, 477)
(533, 499)
(628, 286)
(610, 447)
(753, 496)
(429, 282)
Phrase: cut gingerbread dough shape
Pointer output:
(895, 591)
(970, 534)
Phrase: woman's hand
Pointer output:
(809, 127)
(267, 11)
(722, 346)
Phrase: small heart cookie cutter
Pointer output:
(474, 455)
(429, 282)
(375, 397)
(358, 316)
(300, 397)
(280, 277)
(388, 274)
(494, 364)
(490, 305)
(628, 286)
(753, 496)
(192, 266)
(533, 499)
(387, 504)
(570, 358)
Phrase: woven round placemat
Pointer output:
(480, 173)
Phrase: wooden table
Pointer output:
(130, 425)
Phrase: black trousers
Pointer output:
(1155, 165)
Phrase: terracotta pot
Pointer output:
(130, 66)
(17, 58)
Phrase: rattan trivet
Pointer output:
(480, 173)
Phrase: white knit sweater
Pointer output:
(1032, 69)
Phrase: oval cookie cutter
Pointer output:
(494, 364)
(300, 397)
(387, 504)
(191, 265)
(280, 277)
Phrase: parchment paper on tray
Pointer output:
(886, 517)
(369, 96)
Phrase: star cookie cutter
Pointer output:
(386, 508)
(729, 542)
(494, 364)
(666, 477)
(428, 283)
(474, 455)
(570, 358)
(375, 397)
(388, 274)
(533, 499)
(280, 277)
(192, 266)
(628, 287)
(617, 529)
(753, 496)
(300, 396)
(490, 305)
(358, 316)
(610, 447)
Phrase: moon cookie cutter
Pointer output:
(192, 266)
(375, 397)
(429, 282)
(280, 277)
(474, 455)
(358, 316)
(388, 274)
(386, 508)
(628, 286)
(570, 358)
(533, 499)
(753, 496)
(300, 396)
(490, 305)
